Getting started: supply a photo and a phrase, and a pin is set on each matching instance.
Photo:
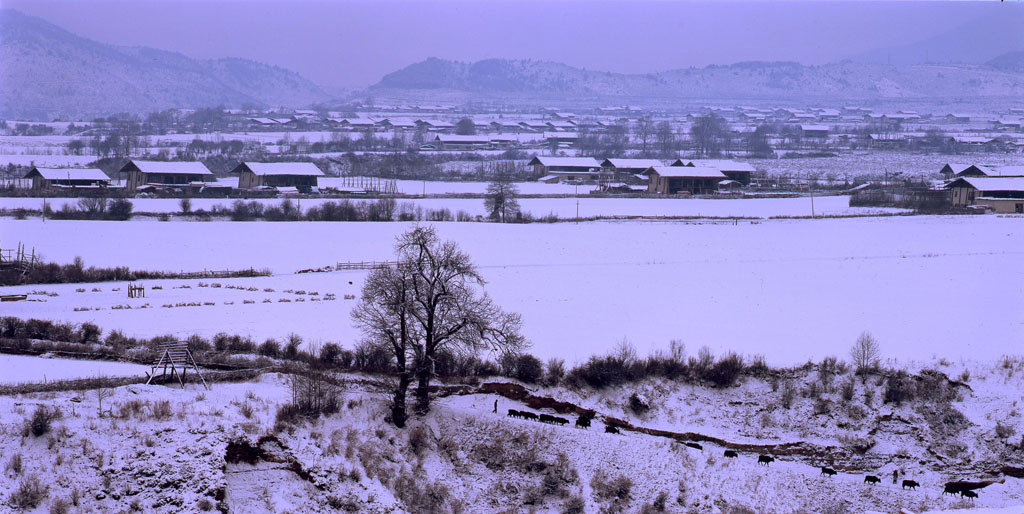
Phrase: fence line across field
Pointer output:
(365, 265)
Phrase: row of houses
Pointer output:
(192, 177)
(694, 176)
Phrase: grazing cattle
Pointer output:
(695, 446)
(611, 429)
(547, 418)
(828, 472)
(952, 489)
(559, 420)
(910, 483)
(512, 413)
(765, 459)
(731, 454)
(872, 479)
(582, 422)
(528, 415)
(969, 494)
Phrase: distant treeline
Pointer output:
(76, 272)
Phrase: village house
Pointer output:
(733, 170)
(52, 178)
(814, 131)
(669, 180)
(162, 175)
(565, 169)
(300, 175)
(435, 125)
(562, 139)
(1002, 194)
(630, 171)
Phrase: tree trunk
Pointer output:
(423, 387)
(398, 414)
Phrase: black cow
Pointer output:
(968, 494)
(765, 459)
(731, 454)
(872, 479)
(559, 420)
(582, 422)
(828, 472)
(512, 413)
(911, 484)
(528, 415)
(695, 446)
(611, 429)
(952, 489)
(547, 418)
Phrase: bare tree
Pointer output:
(450, 312)
(709, 133)
(384, 315)
(102, 393)
(465, 127)
(666, 140)
(644, 132)
(865, 352)
(500, 200)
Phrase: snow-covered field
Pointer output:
(788, 289)
(16, 369)
(562, 207)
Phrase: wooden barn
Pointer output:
(968, 191)
(458, 142)
(669, 180)
(733, 170)
(302, 175)
(164, 175)
(565, 169)
(52, 178)
(629, 171)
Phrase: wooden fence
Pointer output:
(364, 265)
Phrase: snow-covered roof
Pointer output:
(176, 168)
(816, 128)
(69, 173)
(636, 164)
(455, 138)
(575, 162)
(1006, 171)
(560, 135)
(991, 183)
(722, 164)
(685, 172)
(305, 169)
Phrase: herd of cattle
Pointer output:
(583, 421)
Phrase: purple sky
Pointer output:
(353, 43)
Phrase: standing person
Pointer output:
(895, 474)
(495, 406)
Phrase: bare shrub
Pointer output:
(619, 488)
(245, 409)
(555, 371)
(14, 464)
(419, 440)
(822, 406)
(42, 417)
(1004, 431)
(29, 493)
(788, 394)
(574, 505)
(638, 405)
(658, 505)
(161, 409)
(59, 506)
(846, 390)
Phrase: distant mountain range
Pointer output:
(843, 81)
(47, 72)
(975, 41)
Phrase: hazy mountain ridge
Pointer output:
(49, 72)
(782, 80)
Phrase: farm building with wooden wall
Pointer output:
(51, 178)
(162, 175)
(1007, 191)
(252, 175)
(669, 180)
(733, 170)
(565, 169)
